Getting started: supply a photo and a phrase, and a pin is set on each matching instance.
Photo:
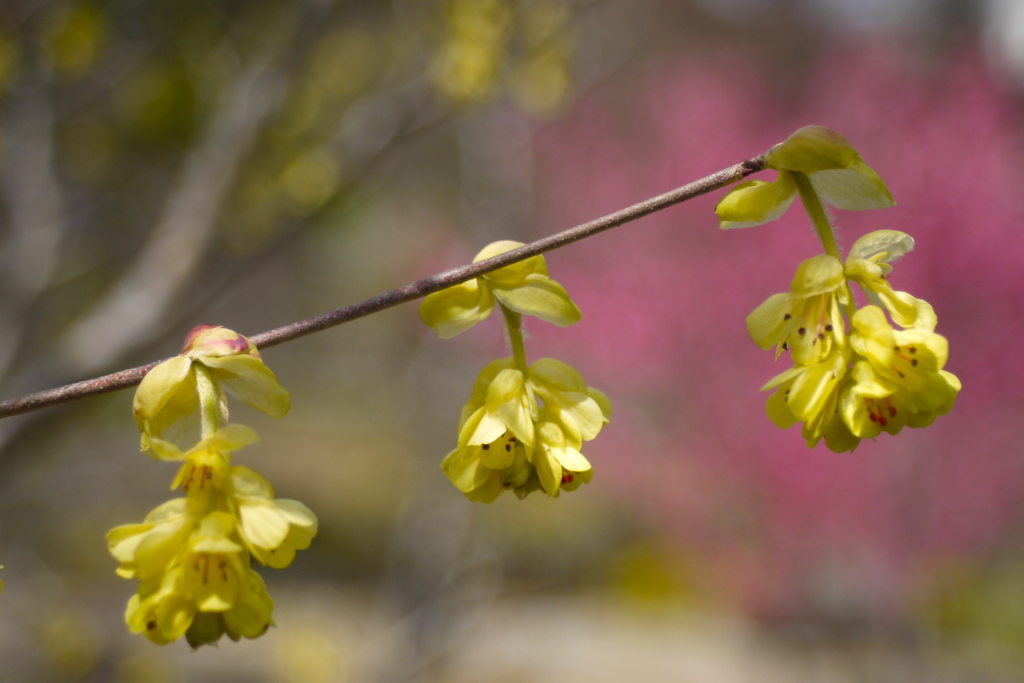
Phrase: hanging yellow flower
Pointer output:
(507, 441)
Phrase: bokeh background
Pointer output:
(253, 162)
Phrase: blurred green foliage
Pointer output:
(979, 607)
(250, 121)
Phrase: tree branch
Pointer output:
(454, 276)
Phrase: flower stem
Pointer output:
(817, 213)
(209, 415)
(514, 326)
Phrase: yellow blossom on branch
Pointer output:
(523, 287)
(192, 555)
(207, 592)
(168, 393)
(844, 385)
(807, 319)
(835, 171)
(907, 365)
(808, 394)
(507, 441)
(868, 264)
(272, 528)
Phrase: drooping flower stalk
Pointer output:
(524, 425)
(514, 330)
(845, 385)
(192, 555)
(816, 212)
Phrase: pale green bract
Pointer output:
(836, 172)
(523, 287)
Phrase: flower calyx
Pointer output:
(166, 402)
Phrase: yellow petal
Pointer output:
(578, 479)
(907, 310)
(571, 459)
(872, 336)
(507, 385)
(213, 534)
(454, 310)
(556, 375)
(497, 456)
(230, 438)
(464, 470)
(813, 388)
(301, 518)
(854, 406)
(602, 401)
(549, 471)
(146, 549)
(482, 427)
(817, 275)
(857, 188)
(811, 149)
(518, 419)
(250, 616)
(886, 245)
(262, 524)
(514, 274)
(583, 411)
(166, 394)
(164, 450)
(756, 202)
(251, 382)
(206, 629)
(767, 325)
(778, 410)
(839, 438)
(488, 491)
(247, 483)
(159, 385)
(162, 615)
(482, 385)
(541, 297)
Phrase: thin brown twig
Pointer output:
(434, 283)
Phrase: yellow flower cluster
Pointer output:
(192, 554)
(488, 46)
(524, 425)
(845, 385)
